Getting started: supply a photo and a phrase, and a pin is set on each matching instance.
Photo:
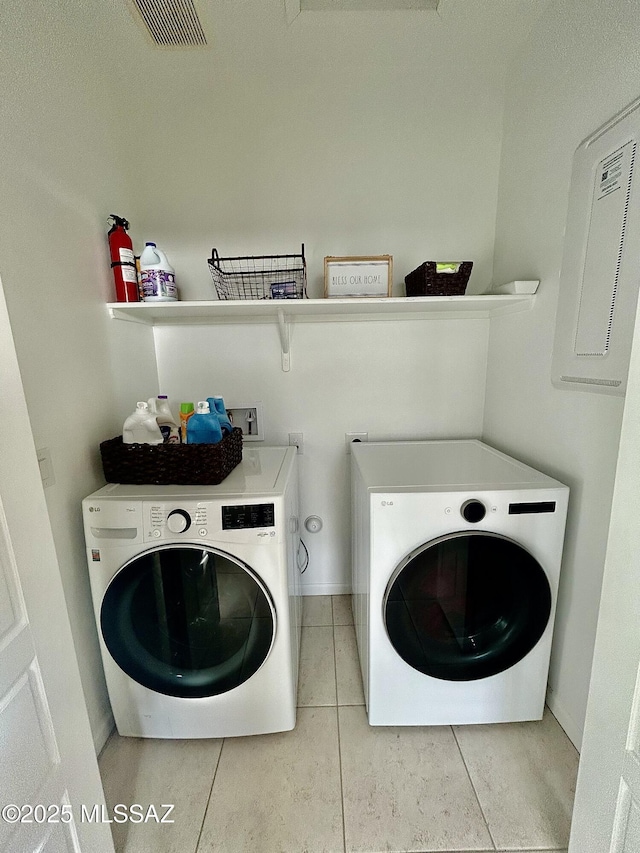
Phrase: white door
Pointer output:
(607, 806)
(48, 767)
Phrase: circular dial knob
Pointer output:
(178, 521)
(473, 511)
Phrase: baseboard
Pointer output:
(102, 731)
(572, 730)
(325, 588)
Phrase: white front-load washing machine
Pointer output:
(456, 561)
(196, 594)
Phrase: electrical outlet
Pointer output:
(296, 439)
(350, 437)
(250, 419)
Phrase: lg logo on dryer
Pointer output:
(386, 503)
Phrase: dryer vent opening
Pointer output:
(171, 23)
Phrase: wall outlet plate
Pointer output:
(350, 437)
(296, 439)
(250, 418)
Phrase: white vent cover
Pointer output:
(600, 275)
(171, 23)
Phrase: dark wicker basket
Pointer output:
(426, 281)
(171, 464)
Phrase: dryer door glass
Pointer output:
(188, 621)
(467, 606)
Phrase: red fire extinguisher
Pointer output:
(123, 262)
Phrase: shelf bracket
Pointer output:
(285, 340)
(115, 314)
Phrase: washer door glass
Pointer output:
(467, 606)
(187, 621)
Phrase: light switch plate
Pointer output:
(46, 468)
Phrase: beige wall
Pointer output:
(59, 178)
(580, 67)
(395, 380)
(355, 134)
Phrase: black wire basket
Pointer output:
(259, 276)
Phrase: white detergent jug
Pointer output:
(141, 427)
(157, 276)
(159, 406)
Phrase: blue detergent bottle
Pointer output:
(203, 427)
(216, 404)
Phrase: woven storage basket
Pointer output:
(171, 464)
(426, 281)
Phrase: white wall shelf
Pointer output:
(312, 310)
(286, 311)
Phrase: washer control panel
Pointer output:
(162, 521)
(241, 517)
(208, 520)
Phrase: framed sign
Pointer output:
(358, 276)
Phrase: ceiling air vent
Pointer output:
(366, 5)
(172, 23)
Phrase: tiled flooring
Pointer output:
(335, 784)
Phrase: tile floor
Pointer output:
(336, 785)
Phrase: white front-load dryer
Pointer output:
(196, 595)
(456, 561)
